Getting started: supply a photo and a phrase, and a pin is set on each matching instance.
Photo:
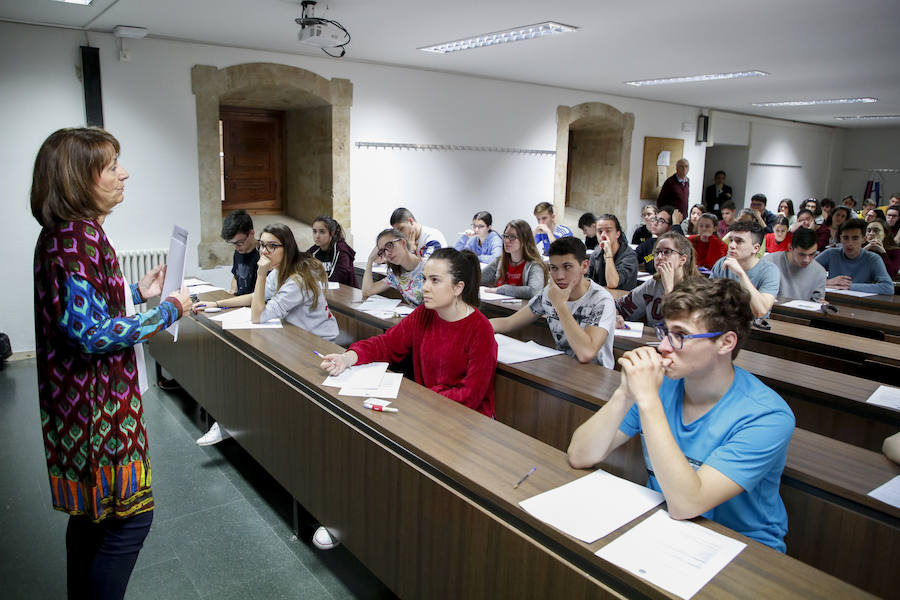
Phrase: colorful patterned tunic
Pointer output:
(91, 412)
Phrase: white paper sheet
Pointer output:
(886, 396)
(803, 305)
(334, 285)
(592, 506)
(239, 318)
(849, 292)
(678, 556)
(510, 350)
(367, 377)
(378, 305)
(404, 310)
(192, 281)
(202, 289)
(644, 276)
(889, 492)
(389, 388)
(492, 297)
(175, 263)
(635, 330)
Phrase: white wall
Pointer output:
(867, 149)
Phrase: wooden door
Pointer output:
(252, 144)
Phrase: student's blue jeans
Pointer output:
(101, 556)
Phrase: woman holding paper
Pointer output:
(405, 269)
(288, 286)
(520, 271)
(90, 367)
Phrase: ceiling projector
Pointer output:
(320, 32)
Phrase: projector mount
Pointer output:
(323, 33)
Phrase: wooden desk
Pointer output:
(424, 497)
(549, 398)
(878, 302)
(848, 316)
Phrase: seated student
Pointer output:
(588, 225)
(849, 268)
(891, 447)
(761, 214)
(849, 202)
(662, 223)
(520, 271)
(332, 251)
(729, 212)
(481, 240)
(547, 229)
(828, 232)
(802, 278)
(780, 238)
(689, 226)
(674, 258)
(581, 314)
(812, 205)
(405, 269)
(715, 437)
(613, 264)
(708, 248)
(892, 218)
(827, 205)
(642, 233)
(742, 263)
(422, 240)
(786, 209)
(868, 206)
(874, 215)
(883, 245)
(288, 286)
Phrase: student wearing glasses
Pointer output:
(405, 269)
(661, 223)
(520, 271)
(237, 230)
(481, 240)
(715, 437)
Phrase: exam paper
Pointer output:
(510, 350)
(367, 377)
(592, 506)
(378, 305)
(889, 493)
(334, 285)
(203, 288)
(886, 396)
(192, 281)
(389, 388)
(635, 330)
(404, 310)
(175, 262)
(678, 556)
(239, 318)
(849, 292)
(803, 305)
(492, 297)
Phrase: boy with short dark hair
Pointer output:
(715, 437)
(581, 314)
(762, 280)
(237, 230)
(423, 240)
(587, 223)
(547, 231)
(852, 268)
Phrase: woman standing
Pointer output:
(481, 240)
(405, 269)
(90, 365)
(520, 271)
(332, 251)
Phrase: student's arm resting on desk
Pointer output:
(882, 281)
(517, 320)
(760, 302)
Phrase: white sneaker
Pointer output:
(324, 539)
(215, 435)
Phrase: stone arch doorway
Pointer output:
(317, 141)
(593, 155)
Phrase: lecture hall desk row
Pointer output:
(424, 497)
(826, 481)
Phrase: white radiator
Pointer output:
(136, 263)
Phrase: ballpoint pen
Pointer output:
(524, 477)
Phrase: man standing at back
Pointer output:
(716, 194)
(422, 240)
(802, 278)
(676, 189)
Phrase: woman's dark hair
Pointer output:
(65, 174)
(790, 205)
(817, 210)
(721, 304)
(483, 215)
(691, 228)
(530, 250)
(308, 271)
(781, 220)
(333, 227)
(827, 202)
(586, 220)
(711, 218)
(396, 234)
(237, 221)
(837, 210)
(464, 266)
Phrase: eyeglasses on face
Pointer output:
(676, 340)
(239, 242)
(665, 252)
(268, 246)
(660, 220)
(510, 238)
(388, 247)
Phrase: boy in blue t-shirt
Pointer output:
(715, 438)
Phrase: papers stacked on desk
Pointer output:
(198, 286)
(803, 305)
(239, 318)
(849, 292)
(886, 396)
(511, 351)
(379, 306)
(369, 381)
(492, 297)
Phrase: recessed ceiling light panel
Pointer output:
(864, 117)
(816, 102)
(82, 2)
(695, 78)
(516, 34)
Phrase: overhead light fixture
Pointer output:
(516, 34)
(695, 78)
(817, 102)
(81, 2)
(864, 117)
(127, 31)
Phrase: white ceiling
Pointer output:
(811, 48)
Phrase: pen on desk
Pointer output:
(379, 408)
(524, 477)
(319, 354)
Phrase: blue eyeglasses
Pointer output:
(676, 340)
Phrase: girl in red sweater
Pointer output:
(780, 239)
(708, 248)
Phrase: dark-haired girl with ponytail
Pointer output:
(451, 342)
(332, 251)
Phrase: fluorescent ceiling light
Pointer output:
(860, 117)
(817, 102)
(516, 34)
(82, 2)
(694, 78)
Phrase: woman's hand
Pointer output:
(620, 322)
(200, 305)
(335, 364)
(374, 258)
(183, 298)
(667, 276)
(264, 265)
(874, 246)
(151, 284)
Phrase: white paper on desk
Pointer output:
(678, 556)
(334, 285)
(367, 377)
(886, 396)
(849, 292)
(377, 305)
(192, 281)
(202, 289)
(404, 310)
(803, 305)
(635, 330)
(239, 318)
(889, 493)
(389, 388)
(382, 268)
(492, 297)
(592, 506)
(175, 263)
(644, 276)
(510, 350)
